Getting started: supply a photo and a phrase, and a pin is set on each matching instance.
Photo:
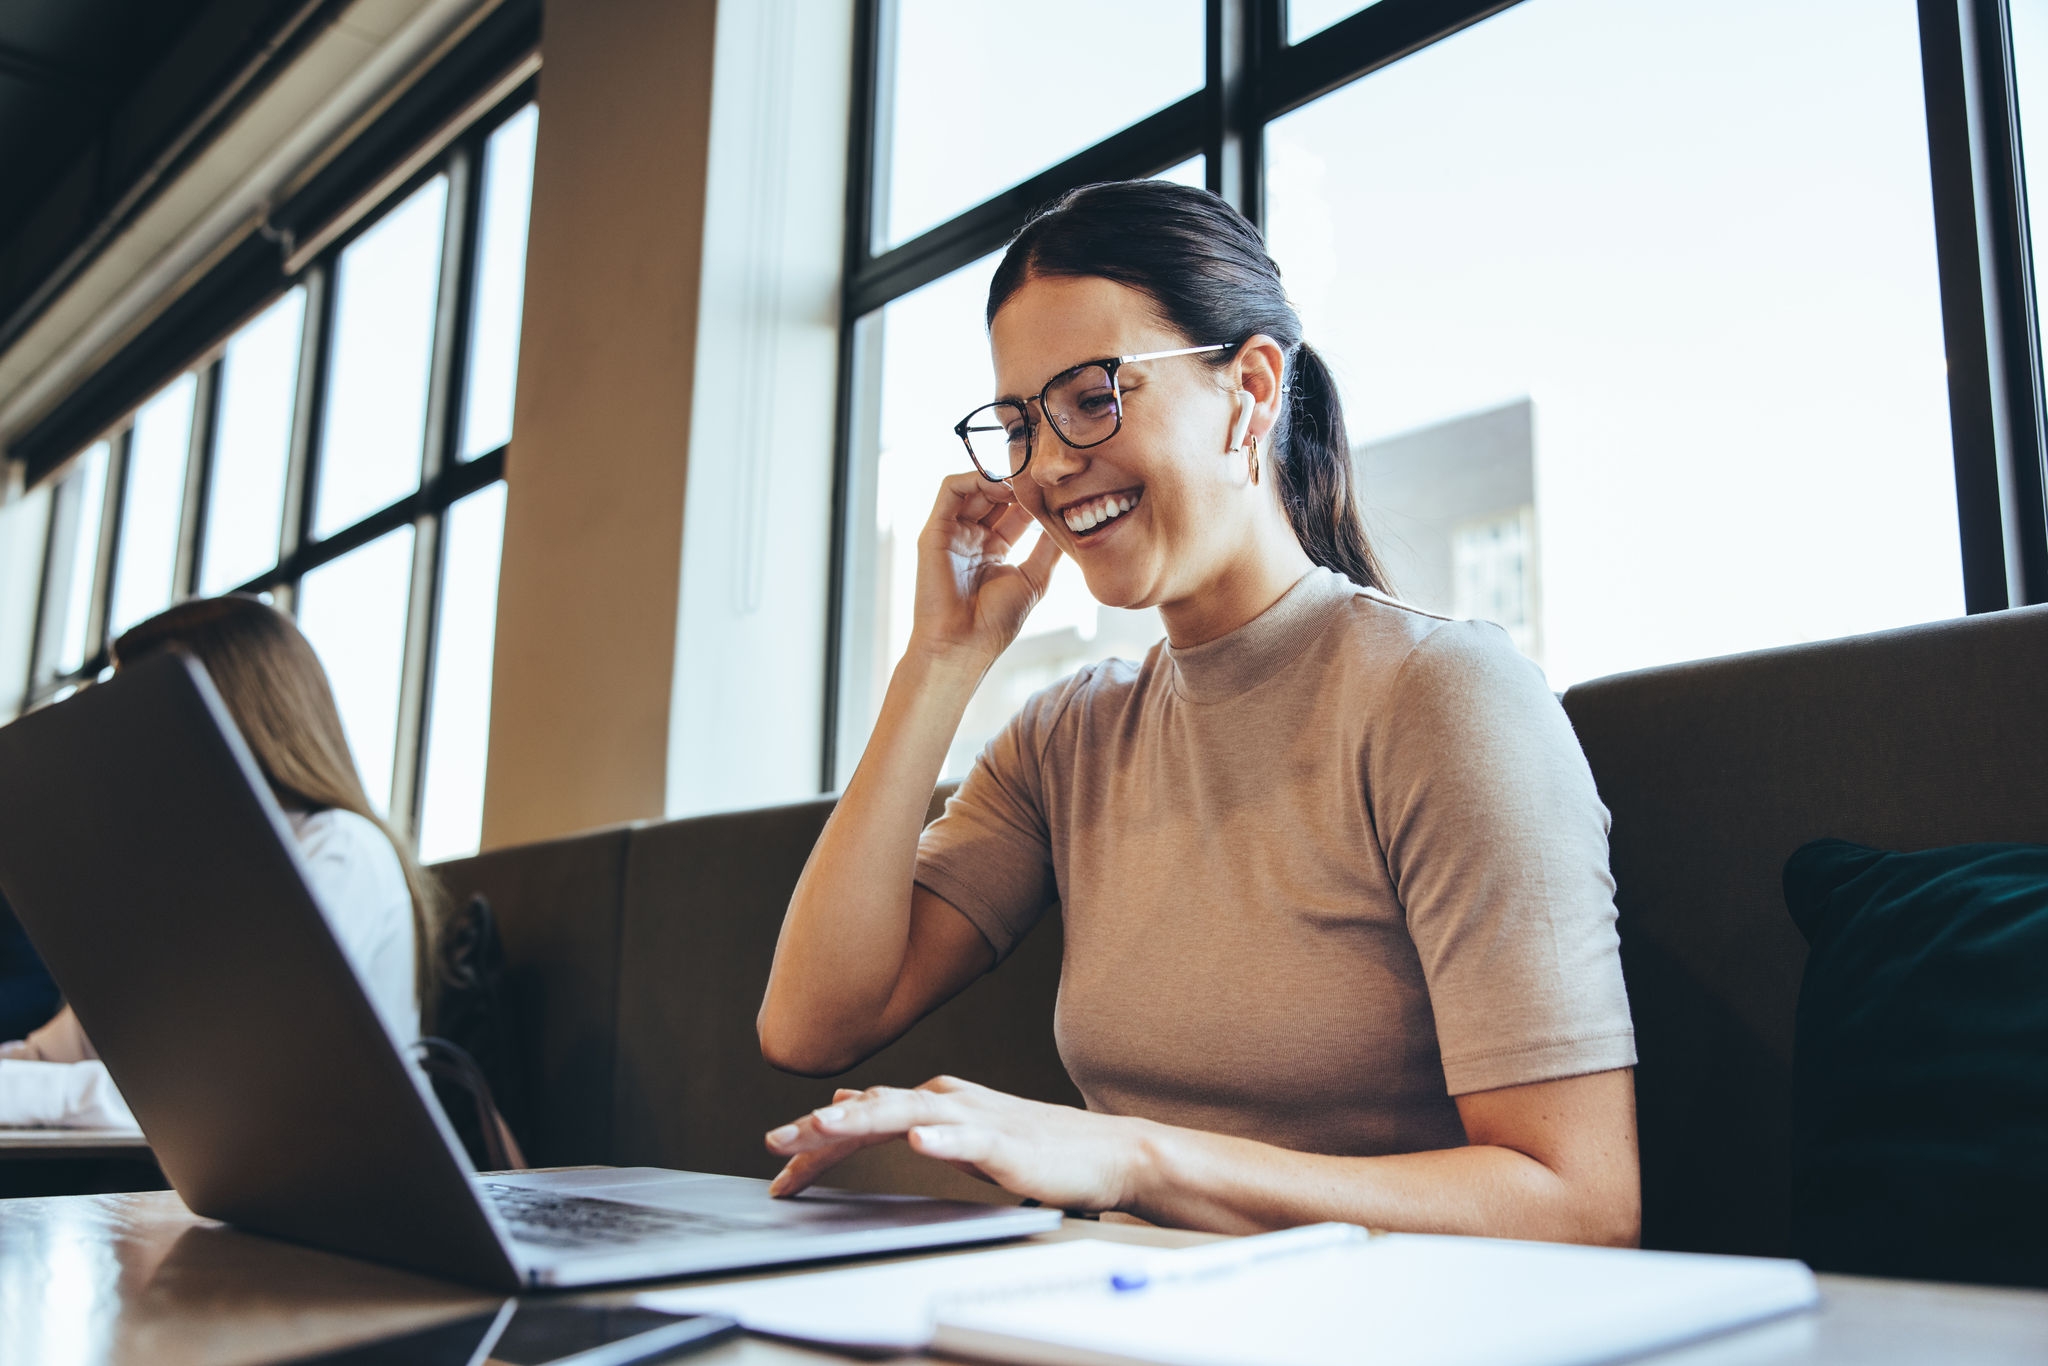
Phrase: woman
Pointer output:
(381, 903)
(1339, 925)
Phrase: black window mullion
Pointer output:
(874, 127)
(445, 379)
(853, 569)
(1992, 381)
(2013, 285)
(422, 608)
(865, 165)
(1235, 40)
(1291, 76)
(453, 485)
(302, 460)
(1149, 146)
(198, 480)
(106, 566)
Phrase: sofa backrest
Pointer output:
(1714, 773)
(638, 955)
(636, 959)
(560, 907)
(704, 903)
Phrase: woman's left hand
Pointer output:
(1054, 1154)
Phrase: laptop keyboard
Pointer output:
(573, 1221)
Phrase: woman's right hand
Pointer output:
(971, 601)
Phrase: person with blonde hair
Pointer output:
(382, 905)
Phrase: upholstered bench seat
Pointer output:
(638, 954)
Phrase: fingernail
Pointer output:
(932, 1140)
(786, 1134)
(831, 1114)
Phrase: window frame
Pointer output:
(1998, 412)
(445, 478)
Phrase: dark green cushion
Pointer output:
(1920, 1064)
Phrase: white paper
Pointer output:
(889, 1308)
(61, 1095)
(1399, 1300)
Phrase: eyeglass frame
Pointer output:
(1111, 364)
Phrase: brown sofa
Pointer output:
(637, 955)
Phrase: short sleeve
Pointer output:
(1496, 842)
(990, 853)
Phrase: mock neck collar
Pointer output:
(1242, 659)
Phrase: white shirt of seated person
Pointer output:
(359, 884)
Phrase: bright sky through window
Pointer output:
(245, 501)
(1700, 237)
(988, 92)
(376, 410)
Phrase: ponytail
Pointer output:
(1207, 269)
(1313, 461)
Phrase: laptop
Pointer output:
(153, 868)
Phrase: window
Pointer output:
(1726, 317)
(452, 808)
(71, 574)
(353, 611)
(982, 94)
(152, 501)
(2030, 71)
(1637, 310)
(24, 525)
(245, 494)
(343, 452)
(500, 284)
(375, 415)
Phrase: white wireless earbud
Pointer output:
(1245, 404)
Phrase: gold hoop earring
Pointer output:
(1253, 463)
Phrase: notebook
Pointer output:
(1328, 1293)
(1392, 1300)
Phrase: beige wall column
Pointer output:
(588, 594)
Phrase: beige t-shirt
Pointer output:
(1318, 876)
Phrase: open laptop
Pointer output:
(153, 868)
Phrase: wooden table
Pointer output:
(136, 1278)
(62, 1143)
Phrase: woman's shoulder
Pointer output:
(331, 827)
(334, 836)
(1104, 680)
(1431, 685)
(1113, 683)
(1409, 642)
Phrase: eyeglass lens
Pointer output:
(1082, 403)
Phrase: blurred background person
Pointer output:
(382, 905)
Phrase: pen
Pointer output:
(1235, 1254)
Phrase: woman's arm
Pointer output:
(864, 952)
(60, 1040)
(1552, 1160)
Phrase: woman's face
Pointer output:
(1191, 501)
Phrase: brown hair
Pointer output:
(278, 695)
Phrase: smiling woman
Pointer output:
(1339, 925)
